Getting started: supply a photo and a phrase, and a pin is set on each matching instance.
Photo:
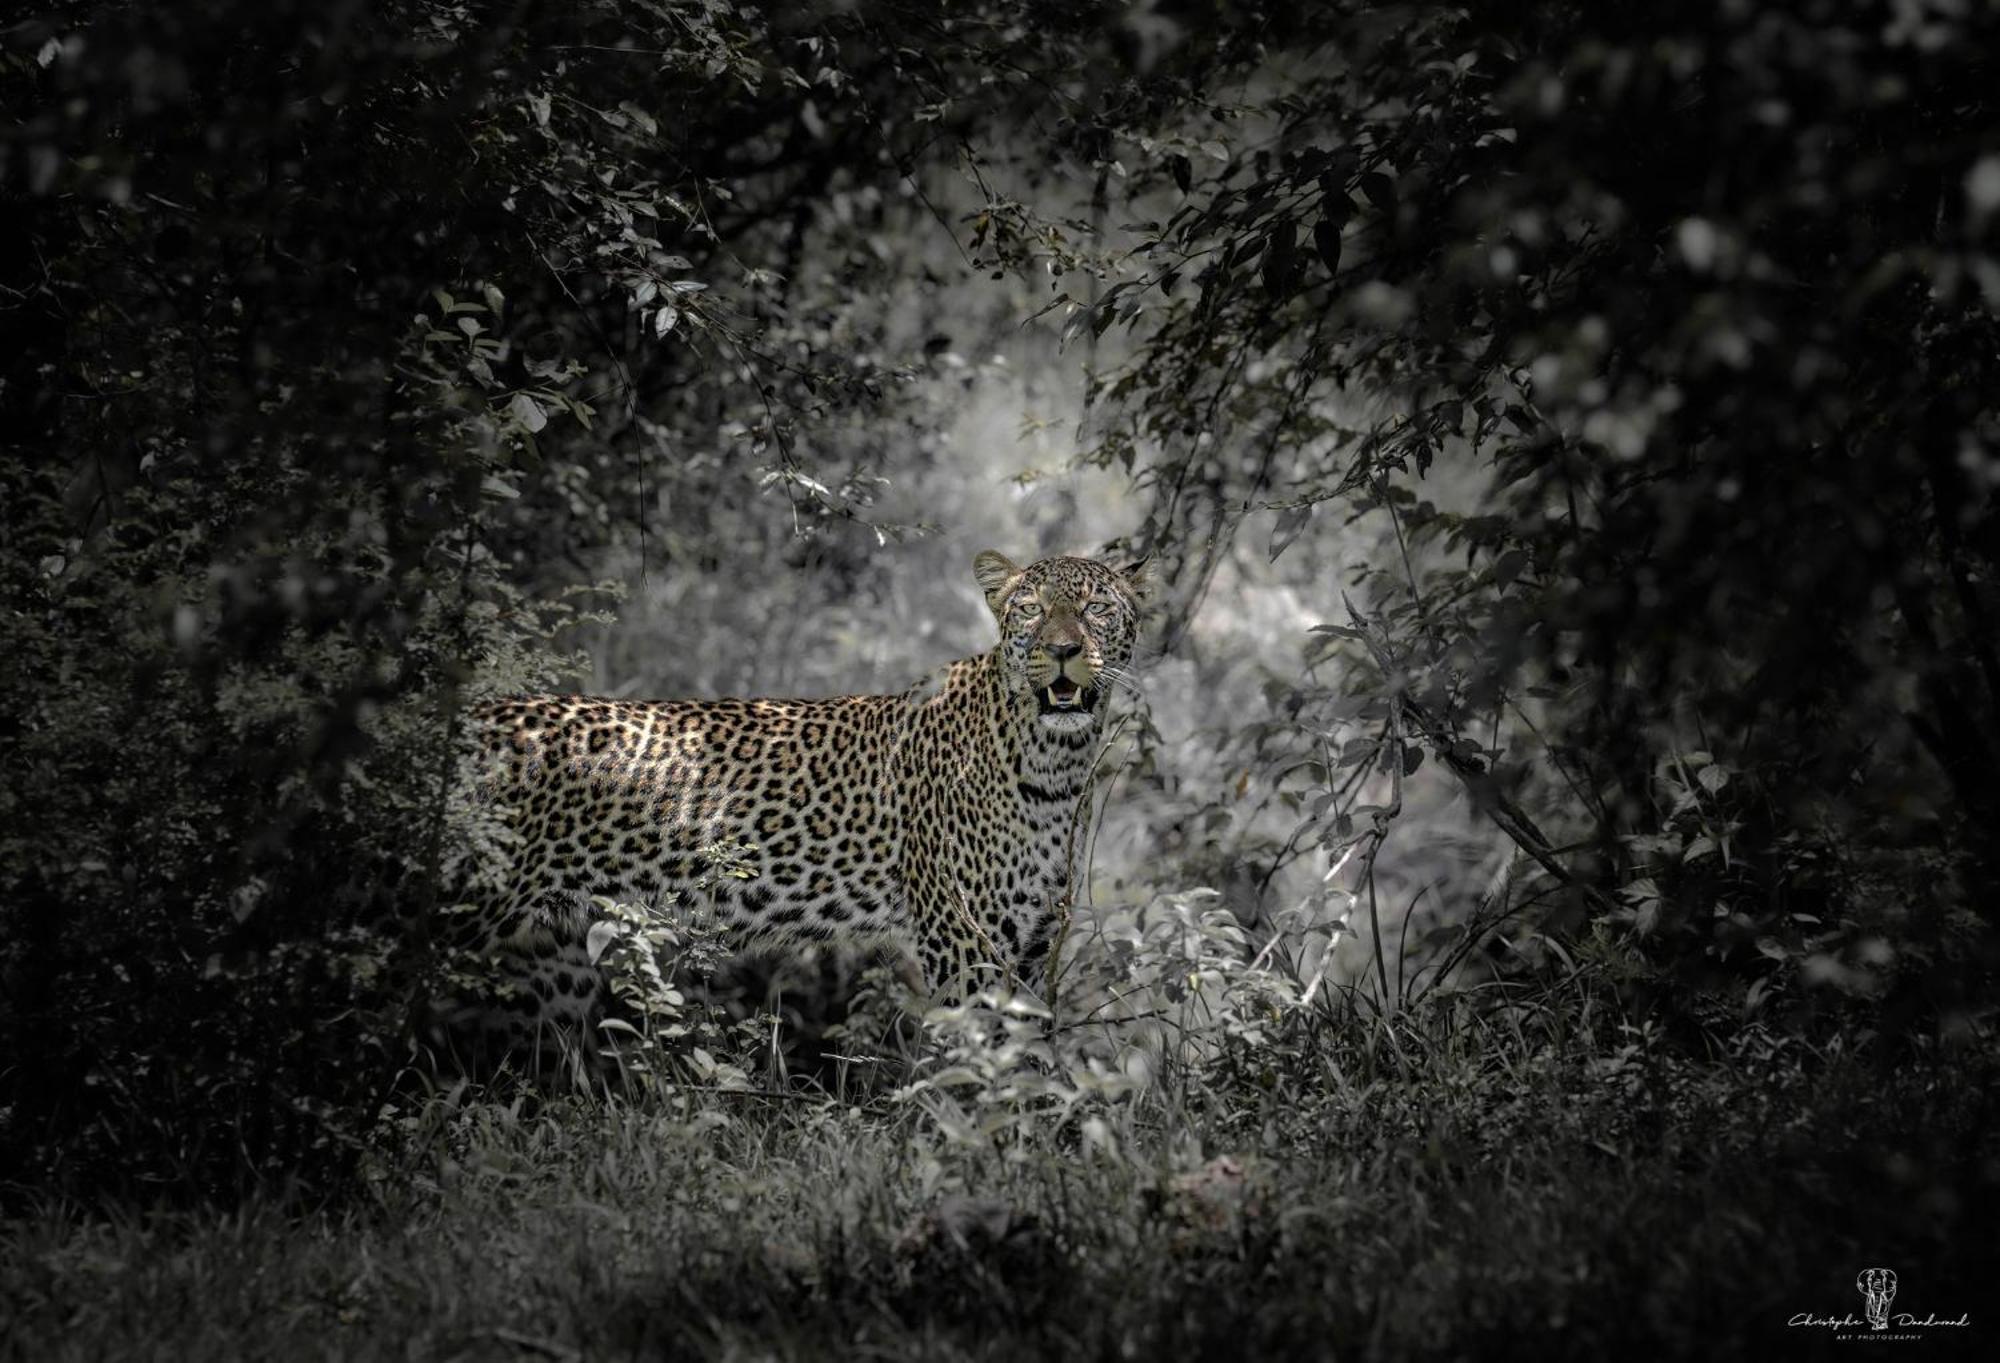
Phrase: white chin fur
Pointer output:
(1067, 721)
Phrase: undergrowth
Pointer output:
(1202, 1150)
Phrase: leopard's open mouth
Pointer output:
(1063, 696)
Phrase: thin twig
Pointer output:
(1478, 781)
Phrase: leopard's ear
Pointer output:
(1138, 577)
(995, 573)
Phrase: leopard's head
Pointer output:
(1067, 628)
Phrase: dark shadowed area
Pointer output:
(1539, 890)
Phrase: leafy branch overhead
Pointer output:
(1656, 356)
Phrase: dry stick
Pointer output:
(1403, 943)
(1084, 1021)
(1115, 998)
(1510, 818)
(775, 1095)
(1375, 932)
(1589, 799)
(1372, 840)
(1104, 806)
(1478, 781)
(1067, 903)
(1498, 891)
(618, 365)
(964, 911)
(548, 1348)
(1306, 375)
(1380, 834)
(1284, 856)
(1326, 955)
(1346, 855)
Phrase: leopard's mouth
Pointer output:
(1063, 696)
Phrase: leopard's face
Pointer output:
(1067, 629)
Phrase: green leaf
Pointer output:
(528, 412)
(641, 117)
(1280, 258)
(1290, 522)
(1326, 240)
(1380, 191)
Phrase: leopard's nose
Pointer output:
(1062, 653)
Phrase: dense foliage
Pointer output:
(344, 329)
(1577, 418)
(1704, 307)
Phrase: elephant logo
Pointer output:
(1878, 1289)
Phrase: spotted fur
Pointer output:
(937, 822)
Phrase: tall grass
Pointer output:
(1185, 1160)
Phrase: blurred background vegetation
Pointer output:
(1566, 432)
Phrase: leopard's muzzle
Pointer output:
(1064, 676)
(1065, 695)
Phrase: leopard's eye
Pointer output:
(1029, 606)
(1098, 609)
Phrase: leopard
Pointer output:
(939, 822)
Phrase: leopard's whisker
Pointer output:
(1119, 677)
